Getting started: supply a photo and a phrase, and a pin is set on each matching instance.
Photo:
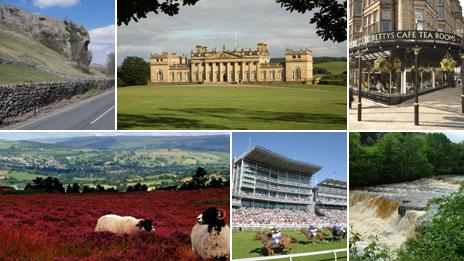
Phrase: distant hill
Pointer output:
(113, 160)
(207, 142)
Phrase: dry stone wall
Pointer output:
(22, 98)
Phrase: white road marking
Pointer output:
(112, 107)
(60, 111)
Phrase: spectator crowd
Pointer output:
(287, 217)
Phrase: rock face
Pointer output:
(65, 37)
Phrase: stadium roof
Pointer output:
(267, 158)
(333, 183)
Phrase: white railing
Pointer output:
(290, 257)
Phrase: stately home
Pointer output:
(239, 65)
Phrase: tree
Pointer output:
(134, 10)
(72, 189)
(110, 64)
(134, 71)
(48, 184)
(330, 20)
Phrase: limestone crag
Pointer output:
(65, 37)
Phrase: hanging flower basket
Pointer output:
(396, 65)
(381, 64)
(448, 64)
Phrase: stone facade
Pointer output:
(223, 66)
(372, 16)
(17, 99)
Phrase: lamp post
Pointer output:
(416, 51)
(462, 84)
(359, 55)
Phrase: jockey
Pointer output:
(276, 236)
(313, 230)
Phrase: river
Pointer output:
(392, 212)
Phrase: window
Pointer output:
(272, 75)
(297, 74)
(179, 76)
(420, 19)
(385, 26)
(440, 10)
(172, 76)
(386, 14)
(159, 76)
(458, 27)
(386, 20)
(357, 8)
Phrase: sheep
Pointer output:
(123, 225)
(210, 236)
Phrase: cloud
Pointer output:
(52, 3)
(239, 23)
(101, 43)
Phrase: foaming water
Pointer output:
(376, 216)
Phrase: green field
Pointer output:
(293, 107)
(19, 175)
(332, 67)
(243, 246)
(10, 73)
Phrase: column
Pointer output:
(221, 71)
(250, 64)
(192, 71)
(228, 72)
(258, 72)
(433, 78)
(213, 71)
(242, 71)
(235, 71)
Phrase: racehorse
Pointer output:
(284, 243)
(338, 234)
(319, 234)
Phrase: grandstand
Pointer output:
(331, 194)
(264, 179)
(272, 190)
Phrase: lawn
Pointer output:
(333, 67)
(243, 246)
(10, 73)
(295, 107)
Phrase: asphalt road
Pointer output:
(96, 113)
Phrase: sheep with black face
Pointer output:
(210, 236)
(123, 225)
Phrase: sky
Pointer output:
(46, 135)
(324, 149)
(216, 22)
(97, 16)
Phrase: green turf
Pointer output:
(10, 73)
(243, 246)
(294, 107)
(333, 67)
